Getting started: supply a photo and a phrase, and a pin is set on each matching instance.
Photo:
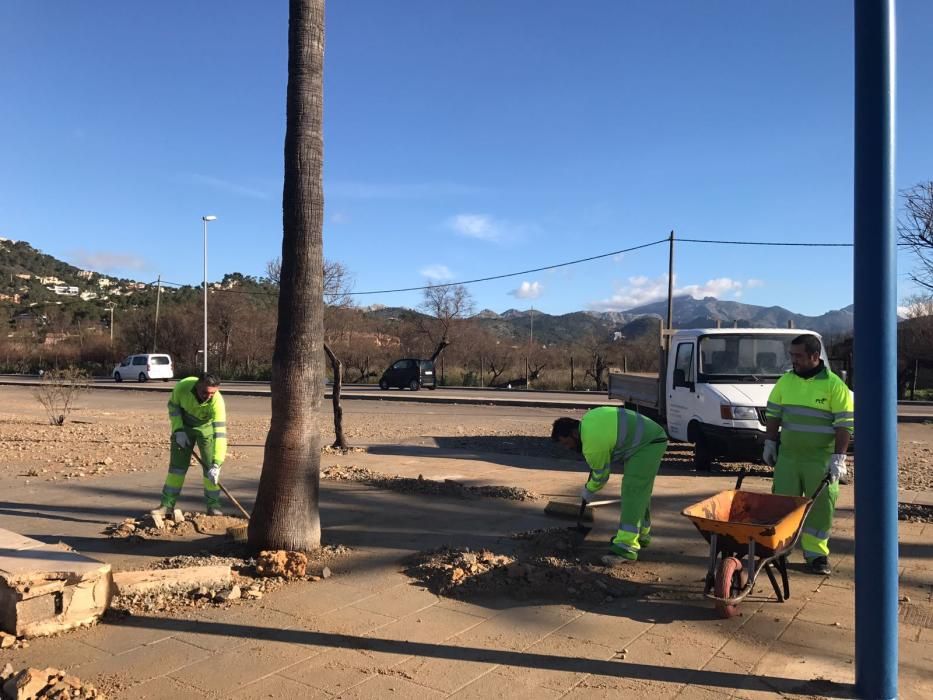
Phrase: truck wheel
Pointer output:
(702, 455)
(414, 385)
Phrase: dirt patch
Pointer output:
(537, 565)
(193, 524)
(915, 512)
(448, 487)
(249, 583)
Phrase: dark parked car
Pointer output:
(409, 373)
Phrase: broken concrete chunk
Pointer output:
(232, 594)
(29, 683)
(7, 672)
(325, 572)
(46, 588)
(129, 582)
(282, 563)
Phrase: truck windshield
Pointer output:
(752, 356)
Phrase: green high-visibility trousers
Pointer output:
(798, 477)
(637, 484)
(180, 460)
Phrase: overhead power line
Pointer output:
(767, 243)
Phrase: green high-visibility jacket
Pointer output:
(610, 434)
(810, 411)
(209, 418)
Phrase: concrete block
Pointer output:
(46, 588)
(128, 582)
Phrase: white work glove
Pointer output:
(214, 474)
(770, 453)
(586, 495)
(837, 468)
(182, 439)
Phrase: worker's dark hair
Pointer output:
(209, 379)
(810, 343)
(564, 427)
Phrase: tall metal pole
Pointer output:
(204, 347)
(111, 325)
(670, 286)
(531, 340)
(155, 331)
(876, 350)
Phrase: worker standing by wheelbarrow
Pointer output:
(814, 411)
(610, 435)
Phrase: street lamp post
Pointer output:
(205, 219)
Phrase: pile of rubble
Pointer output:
(432, 487)
(915, 512)
(44, 684)
(178, 584)
(542, 566)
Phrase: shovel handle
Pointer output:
(222, 487)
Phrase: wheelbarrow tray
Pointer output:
(772, 522)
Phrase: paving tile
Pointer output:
(431, 625)
(338, 671)
(836, 640)
(785, 664)
(348, 621)
(308, 600)
(227, 671)
(493, 685)
(518, 628)
(556, 662)
(449, 674)
(383, 686)
(68, 653)
(399, 601)
(279, 687)
(674, 652)
(117, 638)
(215, 629)
(146, 662)
(611, 689)
(610, 631)
(830, 615)
(485, 607)
(158, 689)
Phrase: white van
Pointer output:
(144, 367)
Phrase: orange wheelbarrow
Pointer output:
(747, 533)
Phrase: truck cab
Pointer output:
(713, 388)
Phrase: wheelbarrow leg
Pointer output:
(711, 570)
(782, 567)
(774, 583)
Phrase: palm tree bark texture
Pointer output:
(286, 514)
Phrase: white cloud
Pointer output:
(107, 262)
(223, 185)
(641, 290)
(752, 283)
(904, 311)
(527, 290)
(476, 226)
(437, 273)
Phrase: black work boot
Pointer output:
(819, 566)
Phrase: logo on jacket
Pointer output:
(821, 401)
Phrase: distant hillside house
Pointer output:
(104, 282)
(50, 280)
(10, 297)
(64, 290)
(85, 274)
(87, 296)
(24, 276)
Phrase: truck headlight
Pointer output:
(730, 412)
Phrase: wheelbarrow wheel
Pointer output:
(730, 580)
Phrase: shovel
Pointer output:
(580, 531)
(224, 489)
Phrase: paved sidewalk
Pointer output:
(369, 631)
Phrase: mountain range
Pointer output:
(519, 325)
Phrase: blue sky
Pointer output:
(462, 139)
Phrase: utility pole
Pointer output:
(531, 342)
(111, 324)
(155, 332)
(670, 283)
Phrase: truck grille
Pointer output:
(761, 416)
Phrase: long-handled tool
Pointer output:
(562, 509)
(237, 532)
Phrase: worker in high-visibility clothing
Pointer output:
(814, 411)
(611, 435)
(197, 415)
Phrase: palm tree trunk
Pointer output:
(286, 514)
